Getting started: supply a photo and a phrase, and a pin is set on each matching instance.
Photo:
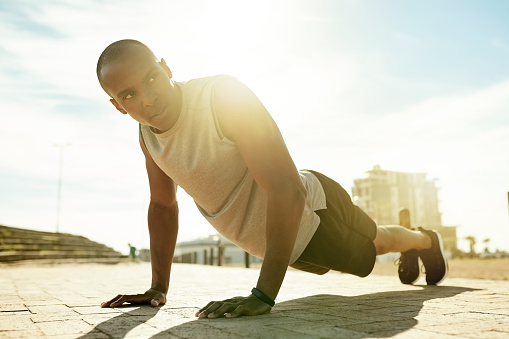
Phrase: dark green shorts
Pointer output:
(344, 239)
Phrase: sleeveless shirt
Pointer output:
(210, 168)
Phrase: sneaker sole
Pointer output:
(441, 243)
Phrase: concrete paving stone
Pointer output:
(17, 307)
(368, 315)
(261, 320)
(251, 329)
(412, 334)
(278, 308)
(247, 324)
(17, 323)
(464, 328)
(501, 311)
(11, 299)
(64, 327)
(24, 334)
(52, 310)
(474, 316)
(194, 329)
(321, 331)
(90, 335)
(33, 300)
(144, 310)
(395, 326)
(165, 323)
(44, 318)
(95, 310)
(140, 331)
(308, 316)
(267, 332)
(177, 313)
(425, 320)
(346, 308)
(74, 299)
(120, 325)
(96, 319)
(491, 335)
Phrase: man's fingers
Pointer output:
(211, 307)
(122, 298)
(108, 303)
(238, 311)
(219, 312)
(207, 306)
(204, 308)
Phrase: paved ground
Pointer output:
(63, 302)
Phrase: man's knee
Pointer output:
(382, 240)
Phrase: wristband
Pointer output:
(262, 296)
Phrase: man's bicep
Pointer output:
(163, 190)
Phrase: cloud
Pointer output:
(499, 44)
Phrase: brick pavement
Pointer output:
(62, 301)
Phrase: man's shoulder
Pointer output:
(203, 81)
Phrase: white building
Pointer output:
(201, 249)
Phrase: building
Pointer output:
(381, 194)
(201, 251)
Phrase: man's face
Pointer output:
(141, 87)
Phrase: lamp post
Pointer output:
(60, 170)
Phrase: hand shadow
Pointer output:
(383, 314)
(123, 323)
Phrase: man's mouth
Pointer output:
(161, 111)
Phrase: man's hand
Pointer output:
(152, 296)
(233, 307)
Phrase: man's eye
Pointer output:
(129, 95)
(152, 78)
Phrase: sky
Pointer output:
(412, 86)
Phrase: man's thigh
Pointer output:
(344, 239)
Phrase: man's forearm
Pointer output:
(163, 229)
(284, 213)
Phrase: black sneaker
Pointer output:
(408, 269)
(433, 258)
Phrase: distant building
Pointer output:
(381, 194)
(203, 247)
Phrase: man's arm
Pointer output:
(244, 119)
(163, 229)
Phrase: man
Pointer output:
(215, 139)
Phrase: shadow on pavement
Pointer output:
(120, 325)
(384, 314)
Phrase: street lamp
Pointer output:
(61, 165)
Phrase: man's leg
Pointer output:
(399, 239)
(428, 244)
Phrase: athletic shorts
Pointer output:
(344, 238)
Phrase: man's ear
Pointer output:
(117, 106)
(166, 68)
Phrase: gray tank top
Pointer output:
(209, 167)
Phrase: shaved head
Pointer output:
(117, 50)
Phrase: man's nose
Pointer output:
(149, 98)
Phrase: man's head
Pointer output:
(139, 84)
(116, 50)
